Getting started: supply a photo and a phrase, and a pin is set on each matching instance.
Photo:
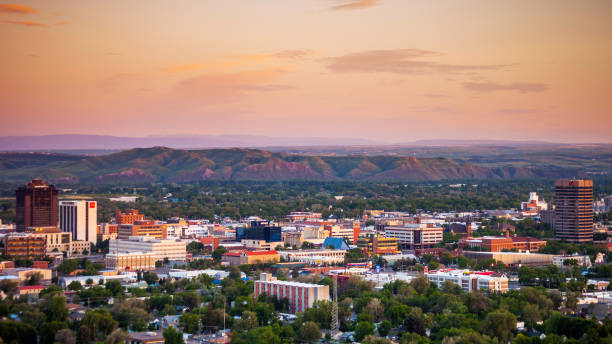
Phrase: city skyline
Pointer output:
(389, 71)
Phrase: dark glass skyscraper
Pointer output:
(36, 205)
(574, 210)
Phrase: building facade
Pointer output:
(129, 217)
(415, 235)
(375, 245)
(574, 210)
(173, 249)
(142, 228)
(25, 246)
(79, 218)
(470, 281)
(36, 205)
(133, 261)
(301, 296)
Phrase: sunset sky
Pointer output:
(386, 70)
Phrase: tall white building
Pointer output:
(79, 218)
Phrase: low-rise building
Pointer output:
(25, 274)
(254, 244)
(564, 261)
(173, 249)
(133, 261)
(415, 235)
(25, 245)
(375, 245)
(512, 258)
(142, 228)
(469, 280)
(250, 257)
(315, 257)
(301, 296)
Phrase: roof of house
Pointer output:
(31, 287)
(337, 243)
(260, 253)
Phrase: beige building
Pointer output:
(130, 261)
(301, 296)
(25, 273)
(307, 256)
(173, 249)
(80, 246)
(261, 244)
(513, 258)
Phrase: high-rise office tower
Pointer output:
(36, 205)
(574, 210)
(79, 218)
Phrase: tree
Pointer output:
(375, 309)
(150, 277)
(218, 253)
(531, 315)
(100, 323)
(116, 337)
(65, 336)
(500, 324)
(195, 247)
(190, 322)
(247, 322)
(75, 285)
(34, 278)
(114, 287)
(415, 322)
(310, 332)
(83, 335)
(363, 329)
(8, 286)
(384, 328)
(420, 284)
(55, 309)
(48, 330)
(172, 336)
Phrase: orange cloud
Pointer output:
(25, 23)
(19, 9)
(355, 4)
(228, 86)
(399, 61)
(184, 68)
(522, 87)
(62, 23)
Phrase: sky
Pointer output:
(385, 70)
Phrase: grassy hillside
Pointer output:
(160, 164)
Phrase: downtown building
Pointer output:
(301, 296)
(36, 205)
(172, 249)
(574, 210)
(415, 235)
(79, 218)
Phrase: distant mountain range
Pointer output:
(107, 142)
(161, 164)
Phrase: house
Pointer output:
(32, 290)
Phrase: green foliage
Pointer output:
(17, 332)
(172, 336)
(363, 329)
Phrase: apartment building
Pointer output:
(24, 246)
(301, 296)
